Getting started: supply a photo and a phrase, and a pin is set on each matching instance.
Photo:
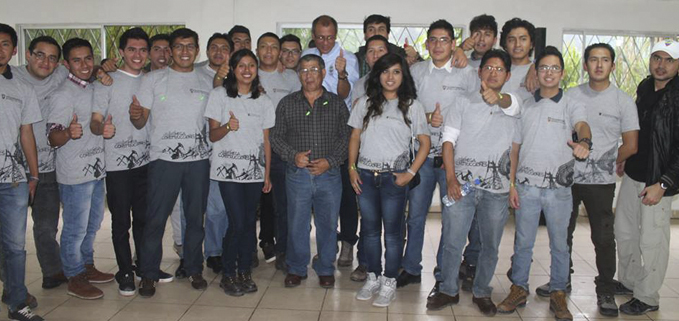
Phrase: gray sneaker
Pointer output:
(346, 257)
(607, 305)
(387, 292)
(543, 290)
(359, 274)
(370, 288)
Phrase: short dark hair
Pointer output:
(7, 29)
(183, 33)
(291, 38)
(311, 57)
(270, 35)
(222, 36)
(442, 24)
(482, 22)
(325, 21)
(500, 54)
(239, 29)
(517, 23)
(377, 38)
(134, 33)
(549, 51)
(160, 36)
(74, 43)
(606, 46)
(231, 84)
(376, 18)
(46, 39)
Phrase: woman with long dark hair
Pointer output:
(383, 123)
(240, 118)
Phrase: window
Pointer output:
(104, 38)
(351, 35)
(632, 52)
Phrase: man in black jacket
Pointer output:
(642, 222)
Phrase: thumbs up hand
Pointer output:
(223, 70)
(136, 110)
(435, 118)
(341, 63)
(75, 130)
(233, 122)
(489, 95)
(411, 53)
(580, 152)
(109, 129)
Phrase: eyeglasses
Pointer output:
(545, 68)
(42, 56)
(312, 70)
(493, 68)
(180, 47)
(325, 38)
(293, 52)
(442, 40)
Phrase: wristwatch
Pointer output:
(663, 186)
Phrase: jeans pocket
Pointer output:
(563, 194)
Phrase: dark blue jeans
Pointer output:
(240, 200)
(13, 214)
(278, 168)
(382, 203)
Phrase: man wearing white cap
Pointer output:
(642, 222)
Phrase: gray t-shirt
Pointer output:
(43, 89)
(129, 148)
(279, 84)
(206, 72)
(19, 106)
(79, 160)
(516, 83)
(545, 159)
(239, 156)
(385, 142)
(177, 102)
(484, 144)
(609, 114)
(441, 86)
(359, 88)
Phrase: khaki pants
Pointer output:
(643, 236)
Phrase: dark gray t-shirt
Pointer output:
(484, 143)
(279, 84)
(385, 142)
(43, 89)
(609, 114)
(129, 148)
(546, 126)
(177, 102)
(79, 160)
(239, 156)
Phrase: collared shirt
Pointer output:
(555, 99)
(331, 75)
(77, 81)
(321, 128)
(8, 73)
(447, 66)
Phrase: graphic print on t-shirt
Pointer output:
(200, 148)
(563, 177)
(495, 170)
(14, 171)
(400, 163)
(596, 169)
(96, 167)
(133, 159)
(253, 171)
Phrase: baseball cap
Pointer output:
(669, 46)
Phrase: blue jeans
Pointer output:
(239, 243)
(491, 211)
(278, 169)
(216, 221)
(83, 213)
(557, 205)
(382, 202)
(471, 252)
(13, 214)
(323, 193)
(420, 200)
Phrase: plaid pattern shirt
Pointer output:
(322, 128)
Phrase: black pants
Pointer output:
(267, 219)
(278, 168)
(126, 191)
(598, 201)
(165, 179)
(45, 213)
(348, 209)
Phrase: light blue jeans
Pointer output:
(216, 221)
(13, 213)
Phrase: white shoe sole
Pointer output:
(168, 280)
(127, 293)
(269, 260)
(85, 298)
(381, 305)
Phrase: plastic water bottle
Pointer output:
(466, 188)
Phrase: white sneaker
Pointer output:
(370, 288)
(387, 292)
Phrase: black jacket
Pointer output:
(663, 160)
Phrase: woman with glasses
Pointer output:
(240, 118)
(383, 123)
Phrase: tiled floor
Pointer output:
(178, 301)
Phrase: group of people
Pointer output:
(282, 133)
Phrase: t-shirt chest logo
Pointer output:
(556, 120)
(450, 87)
(280, 90)
(202, 93)
(12, 99)
(608, 115)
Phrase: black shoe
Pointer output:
(280, 262)
(231, 286)
(31, 301)
(246, 282)
(607, 305)
(214, 263)
(255, 259)
(269, 252)
(164, 277)
(441, 300)
(147, 288)
(180, 273)
(198, 282)
(23, 313)
(463, 270)
(543, 290)
(509, 274)
(51, 282)
(468, 280)
(126, 284)
(485, 305)
(406, 278)
(636, 307)
(620, 289)
(435, 289)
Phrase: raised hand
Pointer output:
(489, 95)
(109, 129)
(436, 119)
(136, 110)
(233, 122)
(75, 129)
(579, 150)
(341, 63)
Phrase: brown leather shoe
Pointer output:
(95, 276)
(326, 281)
(293, 280)
(558, 305)
(441, 300)
(80, 287)
(486, 306)
(517, 297)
